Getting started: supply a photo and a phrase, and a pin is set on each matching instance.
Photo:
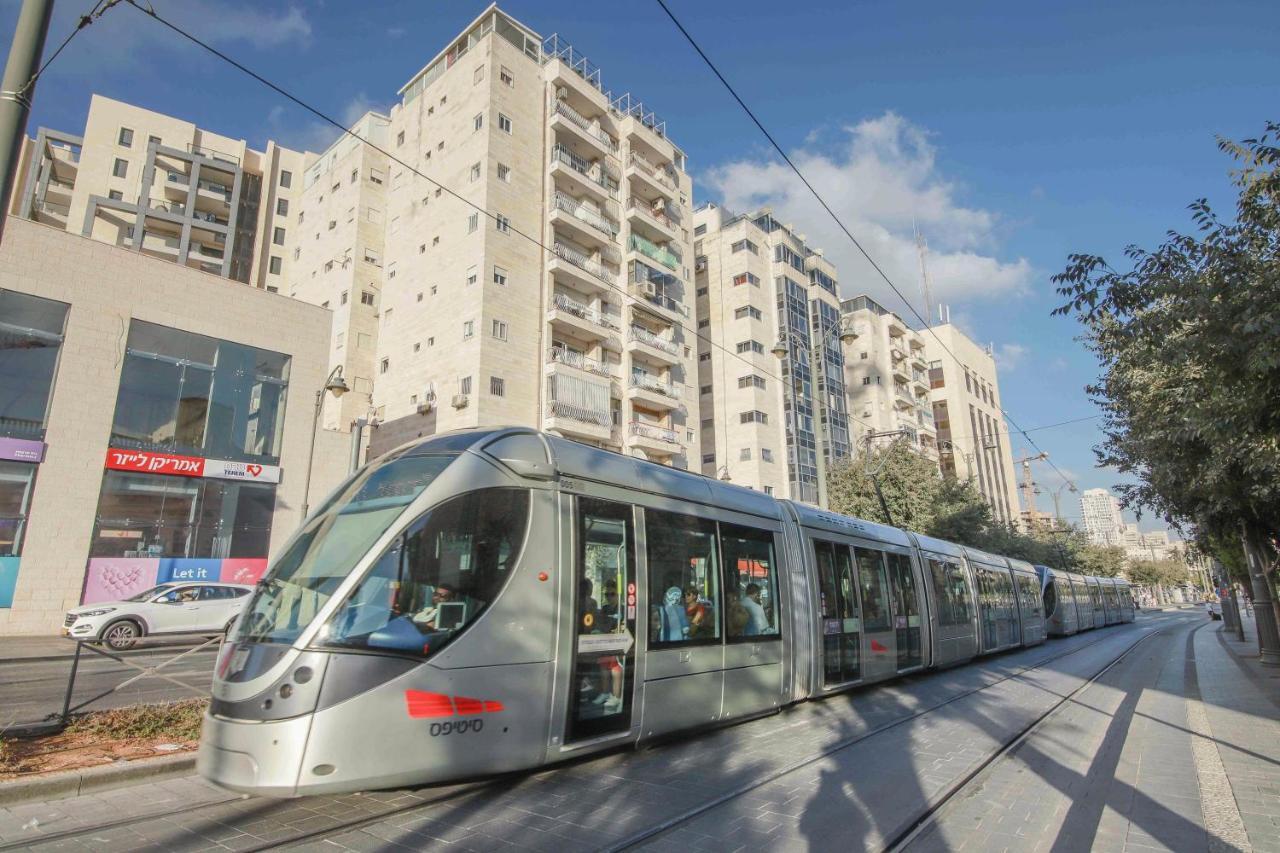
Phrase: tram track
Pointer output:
(459, 792)
(636, 839)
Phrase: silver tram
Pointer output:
(1071, 606)
(491, 600)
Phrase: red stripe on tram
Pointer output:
(423, 704)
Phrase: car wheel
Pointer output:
(121, 635)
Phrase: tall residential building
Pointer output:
(584, 329)
(972, 441)
(1100, 516)
(768, 422)
(166, 188)
(336, 257)
(887, 378)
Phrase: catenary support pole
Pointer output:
(1264, 613)
(16, 91)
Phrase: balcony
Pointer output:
(565, 116)
(160, 246)
(584, 320)
(594, 177)
(51, 213)
(651, 250)
(59, 192)
(558, 356)
(653, 438)
(657, 179)
(586, 221)
(577, 422)
(652, 287)
(654, 393)
(897, 328)
(575, 264)
(917, 358)
(645, 343)
(902, 397)
(653, 218)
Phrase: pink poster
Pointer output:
(243, 571)
(114, 578)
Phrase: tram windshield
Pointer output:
(333, 542)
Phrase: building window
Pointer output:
(384, 365)
(417, 346)
(478, 75)
(747, 311)
(499, 275)
(751, 381)
(333, 223)
(366, 298)
(277, 236)
(866, 380)
(473, 222)
(750, 346)
(704, 323)
(115, 195)
(475, 172)
(708, 459)
(744, 455)
(275, 265)
(506, 76)
(478, 121)
(400, 138)
(468, 329)
(328, 267)
(391, 270)
(499, 329)
(766, 454)
(745, 246)
(126, 137)
(705, 389)
(504, 123)
(297, 253)
(704, 356)
(473, 275)
(433, 289)
(375, 176)
(199, 396)
(753, 416)
(699, 230)
(342, 300)
(282, 207)
(286, 179)
(497, 386)
(504, 173)
(464, 385)
(32, 339)
(746, 278)
(120, 168)
(338, 340)
(440, 145)
(431, 341)
(502, 223)
(768, 490)
(16, 481)
(371, 257)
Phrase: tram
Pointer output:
(1070, 607)
(491, 600)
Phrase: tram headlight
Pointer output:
(286, 690)
(302, 674)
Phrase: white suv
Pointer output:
(170, 608)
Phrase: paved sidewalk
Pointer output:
(1176, 748)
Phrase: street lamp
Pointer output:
(723, 473)
(781, 349)
(337, 386)
(1057, 493)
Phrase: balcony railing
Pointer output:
(661, 254)
(561, 409)
(597, 133)
(167, 206)
(596, 173)
(53, 208)
(644, 336)
(211, 154)
(582, 262)
(658, 174)
(643, 430)
(578, 210)
(216, 188)
(658, 214)
(559, 355)
(586, 312)
(653, 383)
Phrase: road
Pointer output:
(1134, 737)
(33, 689)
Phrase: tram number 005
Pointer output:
(461, 727)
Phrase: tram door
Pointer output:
(840, 623)
(879, 642)
(906, 611)
(603, 681)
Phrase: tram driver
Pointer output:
(430, 615)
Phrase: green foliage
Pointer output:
(1104, 561)
(1189, 344)
(1152, 572)
(176, 720)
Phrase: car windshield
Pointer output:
(147, 595)
(333, 541)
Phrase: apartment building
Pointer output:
(972, 440)
(887, 378)
(1100, 517)
(771, 372)
(165, 188)
(336, 255)
(539, 273)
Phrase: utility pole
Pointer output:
(16, 91)
(1264, 611)
(926, 289)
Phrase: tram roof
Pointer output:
(811, 516)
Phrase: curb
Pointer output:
(74, 783)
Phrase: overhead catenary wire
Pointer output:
(865, 254)
(326, 118)
(96, 11)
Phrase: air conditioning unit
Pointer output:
(562, 92)
(990, 442)
(460, 401)
(649, 288)
(659, 205)
(700, 265)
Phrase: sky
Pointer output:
(1011, 134)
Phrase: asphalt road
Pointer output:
(33, 689)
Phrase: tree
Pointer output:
(910, 484)
(1189, 344)
(1104, 561)
(1157, 572)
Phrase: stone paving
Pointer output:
(776, 795)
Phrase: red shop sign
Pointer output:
(155, 463)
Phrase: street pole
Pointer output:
(336, 386)
(1264, 613)
(16, 91)
(820, 403)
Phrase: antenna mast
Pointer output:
(922, 249)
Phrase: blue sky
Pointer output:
(1013, 133)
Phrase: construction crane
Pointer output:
(1028, 486)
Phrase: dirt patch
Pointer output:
(105, 737)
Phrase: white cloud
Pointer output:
(395, 32)
(295, 128)
(217, 22)
(1009, 356)
(879, 176)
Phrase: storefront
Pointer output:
(31, 331)
(189, 486)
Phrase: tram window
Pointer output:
(1051, 593)
(684, 592)
(875, 594)
(436, 578)
(333, 541)
(750, 582)
(953, 592)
